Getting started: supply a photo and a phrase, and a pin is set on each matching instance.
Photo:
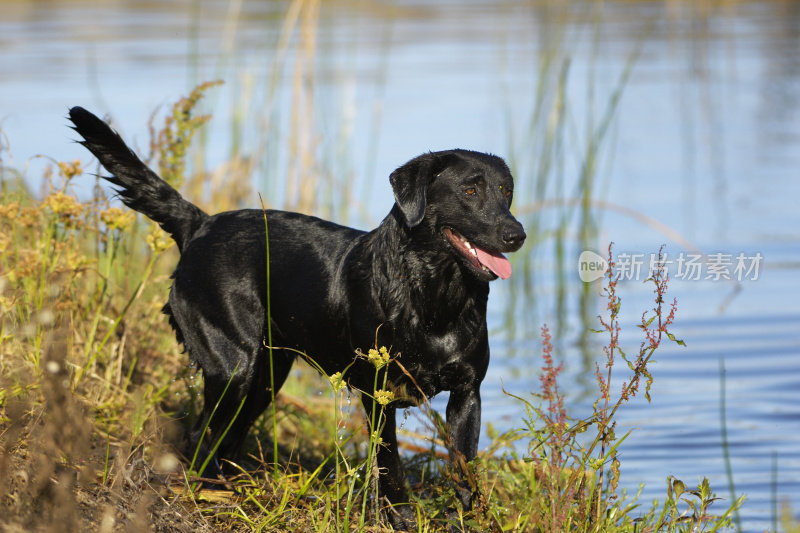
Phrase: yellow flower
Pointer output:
(379, 357)
(28, 266)
(336, 381)
(28, 216)
(63, 204)
(383, 397)
(6, 304)
(76, 261)
(116, 218)
(158, 240)
(9, 211)
(70, 170)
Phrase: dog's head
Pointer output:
(464, 197)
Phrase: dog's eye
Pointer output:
(508, 193)
(470, 191)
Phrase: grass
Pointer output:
(539, 150)
(95, 396)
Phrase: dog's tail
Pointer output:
(139, 187)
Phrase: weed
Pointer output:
(569, 478)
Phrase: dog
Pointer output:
(417, 284)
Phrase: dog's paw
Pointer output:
(402, 517)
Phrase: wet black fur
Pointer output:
(333, 289)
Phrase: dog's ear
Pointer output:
(410, 184)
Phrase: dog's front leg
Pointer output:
(464, 422)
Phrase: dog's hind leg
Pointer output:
(234, 397)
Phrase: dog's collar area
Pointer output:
(488, 265)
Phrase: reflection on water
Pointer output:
(703, 140)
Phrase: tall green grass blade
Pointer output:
(208, 422)
(269, 347)
(725, 446)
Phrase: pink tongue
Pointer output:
(497, 263)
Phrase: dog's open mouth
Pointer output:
(481, 260)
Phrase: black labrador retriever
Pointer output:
(418, 283)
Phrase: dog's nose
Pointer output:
(514, 236)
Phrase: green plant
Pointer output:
(79, 331)
(569, 477)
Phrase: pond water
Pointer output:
(702, 154)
